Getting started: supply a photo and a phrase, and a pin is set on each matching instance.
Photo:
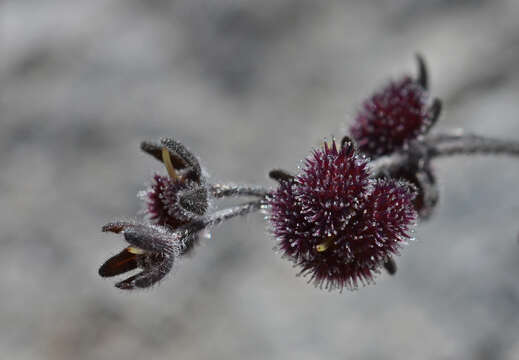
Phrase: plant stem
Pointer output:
(473, 144)
(230, 190)
(443, 145)
(451, 135)
(223, 215)
(218, 217)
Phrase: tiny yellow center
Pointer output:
(325, 245)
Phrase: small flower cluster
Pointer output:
(341, 219)
(172, 202)
(335, 223)
(391, 120)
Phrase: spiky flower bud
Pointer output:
(391, 117)
(390, 120)
(335, 223)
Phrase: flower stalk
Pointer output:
(219, 191)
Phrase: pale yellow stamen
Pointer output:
(135, 250)
(324, 245)
(166, 158)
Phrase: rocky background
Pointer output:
(249, 86)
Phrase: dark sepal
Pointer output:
(181, 157)
(390, 266)
(119, 264)
(347, 142)
(155, 271)
(280, 175)
(194, 201)
(428, 194)
(434, 114)
(150, 238)
(423, 74)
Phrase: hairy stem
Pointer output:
(451, 135)
(473, 144)
(230, 190)
(218, 217)
(443, 145)
(223, 215)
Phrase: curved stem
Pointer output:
(229, 190)
(472, 144)
(443, 145)
(452, 135)
(218, 217)
(223, 215)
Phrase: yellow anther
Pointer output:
(135, 250)
(324, 245)
(166, 158)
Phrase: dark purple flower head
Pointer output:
(332, 187)
(392, 117)
(335, 223)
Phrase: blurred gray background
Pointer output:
(249, 86)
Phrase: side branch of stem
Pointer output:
(472, 144)
(231, 190)
(218, 217)
(443, 145)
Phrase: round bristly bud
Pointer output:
(392, 117)
(337, 225)
(384, 224)
(332, 187)
(288, 223)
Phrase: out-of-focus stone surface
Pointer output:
(249, 85)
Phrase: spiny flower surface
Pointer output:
(391, 117)
(335, 223)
